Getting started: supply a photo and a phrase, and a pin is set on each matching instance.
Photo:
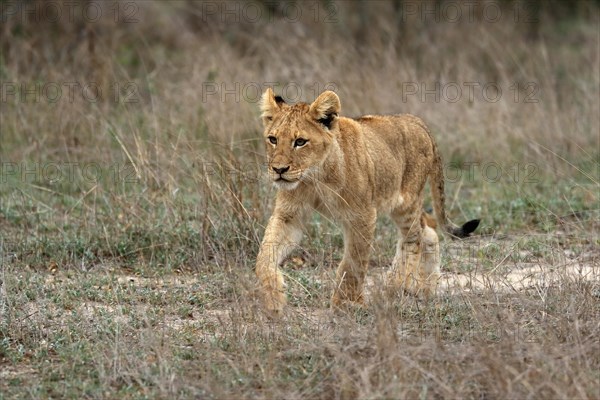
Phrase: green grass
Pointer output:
(148, 304)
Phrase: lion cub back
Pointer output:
(400, 155)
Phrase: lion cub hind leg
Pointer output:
(416, 266)
(429, 272)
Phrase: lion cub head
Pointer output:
(298, 137)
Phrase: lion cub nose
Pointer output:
(281, 170)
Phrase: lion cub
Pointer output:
(351, 169)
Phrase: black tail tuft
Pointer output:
(467, 228)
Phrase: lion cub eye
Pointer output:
(272, 139)
(300, 142)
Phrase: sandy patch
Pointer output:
(522, 277)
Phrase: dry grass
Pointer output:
(128, 230)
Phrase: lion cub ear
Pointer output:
(270, 105)
(326, 108)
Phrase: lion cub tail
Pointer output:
(436, 181)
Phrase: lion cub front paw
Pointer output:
(344, 301)
(274, 302)
(420, 285)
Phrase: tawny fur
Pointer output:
(350, 170)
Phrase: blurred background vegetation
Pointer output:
(158, 101)
(178, 60)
